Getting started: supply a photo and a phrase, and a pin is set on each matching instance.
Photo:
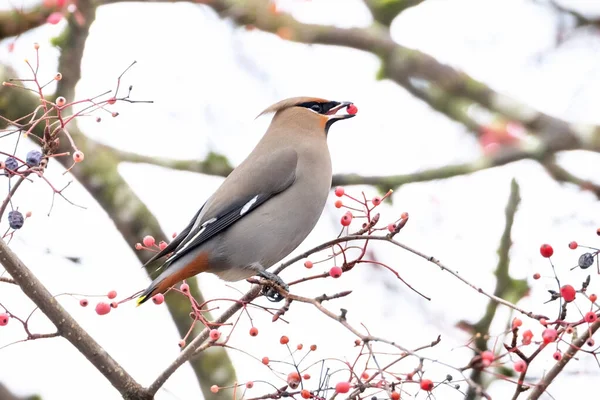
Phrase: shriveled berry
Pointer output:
(590, 317)
(249, 385)
(158, 298)
(520, 366)
(15, 219)
(4, 317)
(593, 298)
(112, 100)
(549, 335)
(102, 308)
(342, 387)
(338, 204)
(254, 331)
(148, 241)
(376, 200)
(61, 101)
(308, 264)
(585, 260)
(568, 293)
(284, 340)
(590, 342)
(293, 380)
(557, 355)
(112, 294)
(78, 156)
(339, 191)
(114, 304)
(265, 360)
(185, 288)
(214, 389)
(546, 250)
(138, 246)
(427, 385)
(573, 245)
(346, 219)
(83, 302)
(214, 335)
(335, 272)
(33, 158)
(536, 276)
(11, 164)
(352, 109)
(305, 394)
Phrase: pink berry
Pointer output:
(346, 219)
(352, 109)
(112, 100)
(54, 18)
(573, 245)
(253, 331)
(112, 294)
(148, 241)
(427, 385)
(338, 204)
(339, 191)
(162, 245)
(78, 156)
(181, 344)
(265, 360)
(568, 293)
(184, 287)
(557, 355)
(249, 385)
(114, 304)
(214, 389)
(214, 334)
(308, 264)
(487, 355)
(342, 387)
(590, 317)
(4, 319)
(546, 250)
(516, 323)
(102, 308)
(376, 200)
(520, 366)
(536, 276)
(593, 298)
(527, 336)
(391, 227)
(158, 298)
(138, 246)
(61, 101)
(335, 272)
(590, 342)
(549, 335)
(83, 302)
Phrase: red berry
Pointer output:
(214, 389)
(427, 385)
(83, 302)
(293, 379)
(342, 387)
(543, 321)
(520, 366)
(404, 215)
(148, 241)
(338, 204)
(593, 298)
(54, 18)
(549, 335)
(346, 219)
(4, 319)
(300, 346)
(114, 304)
(265, 360)
(335, 272)
(516, 323)
(352, 109)
(573, 245)
(305, 394)
(112, 294)
(253, 331)
(306, 377)
(249, 384)
(557, 355)
(158, 298)
(308, 264)
(590, 317)
(284, 340)
(112, 100)
(364, 375)
(391, 227)
(546, 250)
(527, 336)
(339, 191)
(162, 245)
(102, 308)
(181, 344)
(568, 293)
(536, 276)
(395, 396)
(313, 347)
(184, 287)
(214, 334)
(376, 200)
(487, 355)
(78, 156)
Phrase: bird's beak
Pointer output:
(343, 105)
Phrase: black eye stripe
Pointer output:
(321, 108)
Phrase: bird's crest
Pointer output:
(287, 103)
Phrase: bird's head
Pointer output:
(311, 112)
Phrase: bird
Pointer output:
(266, 207)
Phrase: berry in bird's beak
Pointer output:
(350, 109)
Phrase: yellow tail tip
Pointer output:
(140, 300)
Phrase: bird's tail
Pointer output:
(147, 294)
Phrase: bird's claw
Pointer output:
(270, 292)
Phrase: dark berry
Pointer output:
(15, 219)
(33, 159)
(586, 260)
(11, 164)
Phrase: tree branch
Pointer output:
(385, 11)
(16, 22)
(562, 175)
(68, 327)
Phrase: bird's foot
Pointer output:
(270, 292)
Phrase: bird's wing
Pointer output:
(175, 242)
(263, 179)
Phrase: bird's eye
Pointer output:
(316, 107)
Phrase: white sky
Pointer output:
(208, 81)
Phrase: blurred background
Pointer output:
(456, 98)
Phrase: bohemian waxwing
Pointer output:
(266, 207)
